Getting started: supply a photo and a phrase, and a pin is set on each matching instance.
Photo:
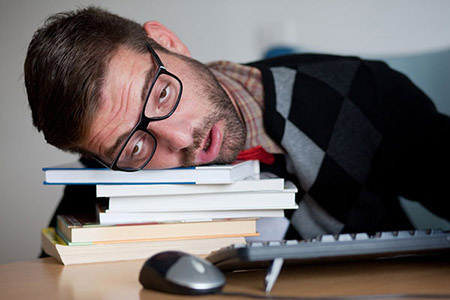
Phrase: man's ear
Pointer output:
(165, 37)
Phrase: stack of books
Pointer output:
(196, 210)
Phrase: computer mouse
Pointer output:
(177, 272)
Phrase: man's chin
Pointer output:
(227, 158)
(221, 159)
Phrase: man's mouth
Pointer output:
(211, 146)
(207, 143)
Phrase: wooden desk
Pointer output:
(47, 279)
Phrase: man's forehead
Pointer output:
(128, 75)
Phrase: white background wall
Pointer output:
(237, 30)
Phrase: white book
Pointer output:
(284, 199)
(107, 217)
(77, 173)
(264, 182)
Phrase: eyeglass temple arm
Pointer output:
(158, 60)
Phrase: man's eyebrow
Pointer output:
(111, 150)
(149, 75)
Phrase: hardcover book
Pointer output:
(77, 173)
(107, 217)
(262, 182)
(112, 218)
(284, 199)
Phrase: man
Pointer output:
(353, 135)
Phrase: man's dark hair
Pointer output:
(65, 69)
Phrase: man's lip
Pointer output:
(206, 156)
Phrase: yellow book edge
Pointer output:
(168, 231)
(56, 247)
(49, 241)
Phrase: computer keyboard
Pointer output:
(329, 248)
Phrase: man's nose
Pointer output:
(173, 134)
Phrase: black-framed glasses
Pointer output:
(161, 102)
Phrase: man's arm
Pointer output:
(413, 159)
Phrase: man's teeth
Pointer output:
(207, 144)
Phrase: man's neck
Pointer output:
(233, 100)
(243, 85)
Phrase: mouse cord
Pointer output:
(362, 297)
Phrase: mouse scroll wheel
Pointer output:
(199, 267)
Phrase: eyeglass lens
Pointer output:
(138, 151)
(163, 96)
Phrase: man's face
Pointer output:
(204, 129)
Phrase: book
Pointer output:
(264, 182)
(54, 246)
(107, 217)
(81, 229)
(284, 199)
(77, 173)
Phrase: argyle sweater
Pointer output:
(357, 135)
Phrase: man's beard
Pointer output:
(222, 109)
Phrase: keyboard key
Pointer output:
(291, 242)
(405, 234)
(421, 232)
(361, 236)
(387, 235)
(328, 238)
(345, 237)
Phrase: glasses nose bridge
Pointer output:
(144, 122)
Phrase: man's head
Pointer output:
(87, 74)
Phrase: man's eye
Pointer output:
(137, 148)
(164, 94)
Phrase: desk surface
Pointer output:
(47, 279)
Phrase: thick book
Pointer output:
(284, 199)
(263, 182)
(77, 173)
(54, 246)
(79, 229)
(107, 217)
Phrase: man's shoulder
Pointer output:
(296, 60)
(335, 71)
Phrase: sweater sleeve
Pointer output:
(413, 159)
